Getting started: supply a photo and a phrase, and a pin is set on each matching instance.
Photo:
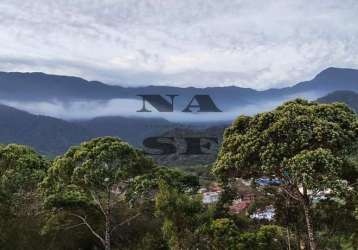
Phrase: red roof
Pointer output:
(239, 207)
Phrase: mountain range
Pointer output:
(52, 136)
(40, 87)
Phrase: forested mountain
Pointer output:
(131, 129)
(209, 138)
(43, 87)
(348, 97)
(48, 135)
(52, 136)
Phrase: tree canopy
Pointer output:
(21, 170)
(97, 174)
(304, 144)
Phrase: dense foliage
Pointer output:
(105, 194)
(304, 145)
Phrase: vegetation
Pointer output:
(97, 174)
(104, 194)
(305, 145)
(21, 169)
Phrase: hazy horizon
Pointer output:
(165, 85)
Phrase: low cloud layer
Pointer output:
(258, 44)
(80, 110)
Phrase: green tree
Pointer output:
(304, 144)
(270, 237)
(183, 216)
(21, 170)
(147, 185)
(95, 176)
(289, 215)
(336, 222)
(224, 234)
(267, 237)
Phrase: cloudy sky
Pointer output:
(252, 43)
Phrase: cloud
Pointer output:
(258, 44)
(79, 110)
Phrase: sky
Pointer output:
(254, 43)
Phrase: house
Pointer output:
(247, 196)
(211, 194)
(243, 203)
(211, 197)
(239, 206)
(266, 214)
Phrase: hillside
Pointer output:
(52, 136)
(209, 148)
(131, 129)
(48, 135)
(40, 86)
(43, 87)
(348, 97)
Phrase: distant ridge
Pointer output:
(41, 86)
(332, 79)
(52, 136)
(348, 97)
(44, 87)
(48, 135)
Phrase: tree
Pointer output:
(21, 170)
(183, 216)
(95, 176)
(304, 144)
(147, 185)
(224, 234)
(289, 215)
(270, 237)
